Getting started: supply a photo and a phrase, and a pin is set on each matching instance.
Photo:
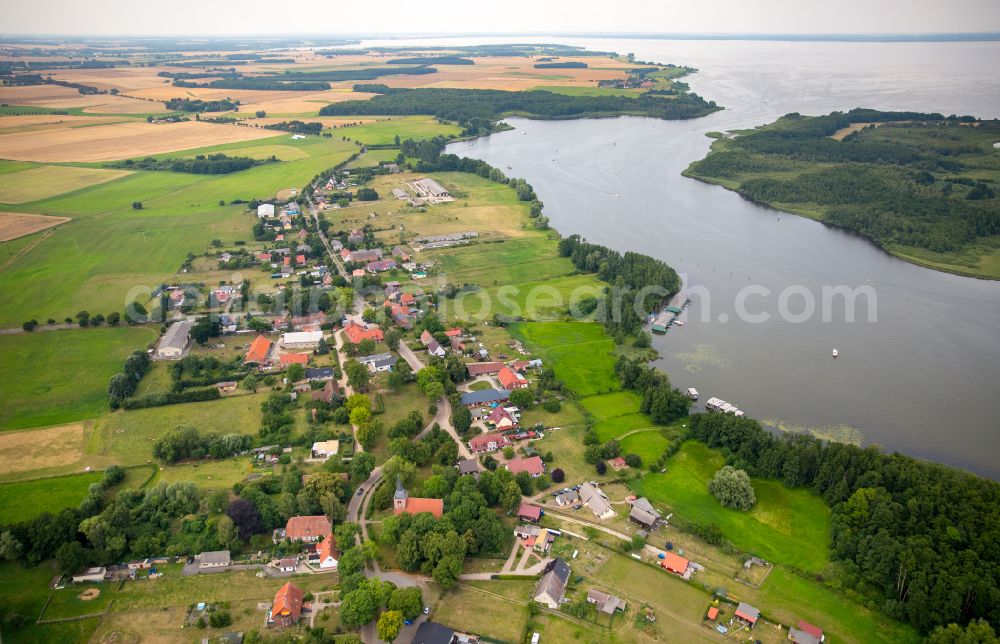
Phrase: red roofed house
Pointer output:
(618, 463)
(328, 553)
(426, 338)
(528, 512)
(264, 257)
(308, 529)
(533, 466)
(483, 368)
(674, 563)
(345, 254)
(294, 358)
(401, 502)
(279, 238)
(747, 613)
(287, 261)
(812, 629)
(287, 607)
(259, 349)
(502, 419)
(355, 333)
(407, 299)
(453, 333)
(510, 380)
(488, 442)
(358, 272)
(300, 259)
(713, 612)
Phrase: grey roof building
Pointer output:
(378, 361)
(214, 559)
(433, 633)
(484, 396)
(175, 340)
(319, 373)
(552, 586)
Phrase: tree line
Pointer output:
(218, 163)
(198, 105)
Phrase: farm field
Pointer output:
(538, 301)
(384, 129)
(25, 500)
(514, 261)
(44, 451)
(462, 608)
(71, 373)
(579, 352)
(14, 225)
(47, 181)
(785, 526)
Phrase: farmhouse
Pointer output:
(328, 553)
(287, 607)
(644, 514)
(325, 449)
(403, 503)
(488, 443)
(355, 333)
(429, 188)
(484, 397)
(214, 559)
(533, 466)
(597, 501)
(308, 529)
(552, 586)
(747, 614)
(510, 379)
(175, 340)
(528, 512)
(605, 603)
(90, 575)
(259, 349)
(483, 368)
(301, 339)
(379, 362)
(501, 418)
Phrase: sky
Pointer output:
(335, 17)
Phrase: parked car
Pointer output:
(427, 610)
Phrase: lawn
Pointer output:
(67, 370)
(23, 592)
(611, 405)
(208, 475)
(398, 405)
(537, 300)
(385, 130)
(25, 500)
(567, 447)
(609, 428)
(579, 352)
(127, 436)
(785, 526)
(647, 445)
(515, 261)
(462, 608)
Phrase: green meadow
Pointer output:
(515, 261)
(785, 526)
(385, 130)
(25, 500)
(55, 377)
(580, 353)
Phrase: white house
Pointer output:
(301, 339)
(265, 210)
(325, 449)
(328, 553)
(214, 559)
(288, 564)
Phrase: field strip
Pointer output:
(24, 250)
(16, 224)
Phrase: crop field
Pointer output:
(91, 265)
(127, 436)
(30, 122)
(383, 130)
(511, 262)
(50, 180)
(69, 370)
(14, 225)
(785, 526)
(25, 500)
(31, 450)
(119, 140)
(579, 352)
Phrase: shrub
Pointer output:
(732, 488)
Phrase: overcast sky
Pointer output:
(332, 17)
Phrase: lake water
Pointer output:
(922, 379)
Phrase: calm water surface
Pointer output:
(923, 379)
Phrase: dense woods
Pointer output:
(268, 83)
(432, 60)
(201, 164)
(917, 180)
(198, 105)
(462, 104)
(660, 400)
(917, 540)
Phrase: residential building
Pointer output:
(265, 210)
(674, 563)
(402, 502)
(90, 575)
(510, 379)
(301, 339)
(644, 514)
(355, 333)
(502, 419)
(435, 349)
(477, 369)
(552, 586)
(747, 613)
(175, 341)
(319, 373)
(533, 466)
(293, 358)
(328, 553)
(379, 362)
(618, 464)
(325, 449)
(308, 529)
(605, 602)
(597, 501)
(288, 564)
(355, 236)
(565, 499)
(214, 559)
(287, 607)
(468, 466)
(484, 397)
(329, 392)
(433, 633)
(259, 350)
(528, 512)
(380, 266)
(490, 442)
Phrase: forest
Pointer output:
(463, 104)
(914, 539)
(432, 60)
(198, 105)
(569, 64)
(269, 83)
(218, 163)
(902, 179)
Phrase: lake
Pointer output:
(922, 379)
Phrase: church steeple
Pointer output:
(399, 498)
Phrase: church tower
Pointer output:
(399, 498)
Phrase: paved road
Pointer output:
(411, 358)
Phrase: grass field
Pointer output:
(26, 500)
(785, 526)
(647, 445)
(579, 352)
(47, 181)
(462, 608)
(68, 370)
(538, 300)
(208, 475)
(609, 428)
(511, 262)
(611, 405)
(23, 592)
(127, 436)
(385, 130)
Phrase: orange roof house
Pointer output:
(294, 358)
(328, 553)
(403, 503)
(510, 380)
(674, 563)
(312, 528)
(287, 607)
(713, 612)
(355, 333)
(259, 349)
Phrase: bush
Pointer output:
(601, 467)
(558, 476)
(552, 405)
(732, 488)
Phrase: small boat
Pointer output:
(678, 323)
(835, 353)
(510, 167)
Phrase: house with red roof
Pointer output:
(488, 442)
(674, 563)
(426, 338)
(328, 553)
(502, 419)
(287, 607)
(510, 379)
(308, 529)
(407, 299)
(747, 613)
(453, 332)
(533, 466)
(300, 259)
(264, 257)
(259, 349)
(528, 512)
(618, 464)
(483, 368)
(806, 633)
(355, 333)
(402, 502)
(293, 358)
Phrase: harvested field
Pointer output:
(120, 141)
(126, 105)
(305, 102)
(27, 122)
(36, 449)
(51, 180)
(842, 133)
(14, 224)
(327, 121)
